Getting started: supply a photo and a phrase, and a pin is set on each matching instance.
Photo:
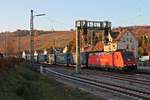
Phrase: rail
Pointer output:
(99, 84)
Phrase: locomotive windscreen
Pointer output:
(128, 55)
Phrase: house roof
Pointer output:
(99, 46)
(114, 34)
(27, 51)
(40, 51)
(120, 35)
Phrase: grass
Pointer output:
(23, 83)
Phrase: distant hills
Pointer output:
(42, 40)
(137, 30)
(48, 39)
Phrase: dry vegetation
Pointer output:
(20, 81)
(9, 63)
(59, 39)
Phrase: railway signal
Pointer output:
(84, 25)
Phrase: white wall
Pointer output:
(131, 41)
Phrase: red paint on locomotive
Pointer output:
(117, 59)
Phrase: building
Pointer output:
(125, 40)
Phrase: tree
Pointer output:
(142, 51)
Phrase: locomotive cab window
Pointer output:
(128, 55)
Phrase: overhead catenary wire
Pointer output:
(57, 24)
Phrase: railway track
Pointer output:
(124, 77)
(120, 75)
(99, 84)
(129, 78)
(140, 72)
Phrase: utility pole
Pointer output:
(19, 44)
(5, 44)
(78, 50)
(32, 37)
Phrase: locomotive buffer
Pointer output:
(84, 26)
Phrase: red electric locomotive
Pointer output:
(120, 59)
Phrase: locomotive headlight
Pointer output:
(129, 59)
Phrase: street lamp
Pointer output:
(32, 34)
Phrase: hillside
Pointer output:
(137, 30)
(58, 39)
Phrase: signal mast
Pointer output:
(83, 26)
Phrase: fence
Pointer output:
(144, 64)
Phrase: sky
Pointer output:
(61, 14)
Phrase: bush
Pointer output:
(9, 63)
(30, 91)
(30, 76)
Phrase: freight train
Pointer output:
(120, 59)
